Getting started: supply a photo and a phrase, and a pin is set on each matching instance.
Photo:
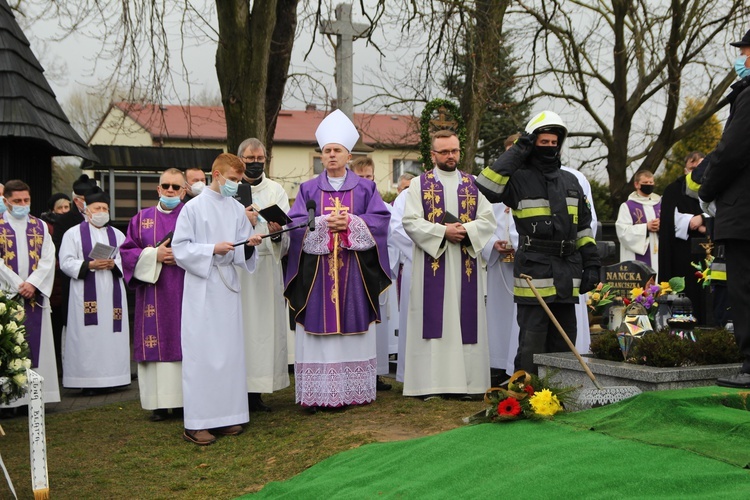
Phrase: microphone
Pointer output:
(311, 205)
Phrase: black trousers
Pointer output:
(539, 335)
(738, 284)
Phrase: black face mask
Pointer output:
(647, 189)
(254, 170)
(545, 158)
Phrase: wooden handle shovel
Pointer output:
(560, 329)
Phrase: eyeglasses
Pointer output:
(166, 186)
(447, 152)
(251, 159)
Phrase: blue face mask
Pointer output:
(19, 211)
(3, 208)
(739, 67)
(169, 202)
(229, 188)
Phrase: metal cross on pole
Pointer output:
(346, 32)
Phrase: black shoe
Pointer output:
(382, 386)
(255, 403)
(159, 415)
(740, 381)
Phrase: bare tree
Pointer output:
(626, 64)
(140, 40)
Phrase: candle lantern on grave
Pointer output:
(634, 325)
(681, 321)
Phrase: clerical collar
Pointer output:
(162, 209)
(337, 182)
(256, 181)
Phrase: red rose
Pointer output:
(509, 407)
(529, 390)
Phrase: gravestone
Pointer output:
(626, 275)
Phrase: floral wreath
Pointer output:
(14, 350)
(425, 146)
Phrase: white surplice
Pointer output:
(42, 278)
(94, 355)
(214, 384)
(636, 239)
(402, 245)
(445, 365)
(502, 326)
(264, 313)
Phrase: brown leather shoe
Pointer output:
(201, 437)
(230, 430)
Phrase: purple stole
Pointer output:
(433, 204)
(35, 239)
(90, 310)
(639, 217)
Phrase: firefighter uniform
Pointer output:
(556, 245)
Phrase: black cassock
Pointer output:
(675, 254)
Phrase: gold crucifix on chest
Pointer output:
(336, 209)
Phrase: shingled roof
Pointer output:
(28, 106)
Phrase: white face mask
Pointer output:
(198, 188)
(99, 219)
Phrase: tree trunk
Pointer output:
(482, 54)
(242, 57)
(278, 69)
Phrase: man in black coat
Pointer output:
(72, 218)
(727, 183)
(682, 222)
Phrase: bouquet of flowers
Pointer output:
(600, 297)
(703, 271)
(647, 295)
(526, 396)
(14, 350)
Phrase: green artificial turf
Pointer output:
(674, 444)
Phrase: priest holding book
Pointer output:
(97, 340)
(264, 313)
(450, 222)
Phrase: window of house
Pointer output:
(402, 166)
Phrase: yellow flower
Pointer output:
(665, 288)
(545, 403)
(635, 292)
(596, 296)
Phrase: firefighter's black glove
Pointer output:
(525, 144)
(590, 279)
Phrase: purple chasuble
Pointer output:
(362, 275)
(433, 205)
(34, 240)
(90, 310)
(638, 214)
(158, 306)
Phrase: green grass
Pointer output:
(116, 452)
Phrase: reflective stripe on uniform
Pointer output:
(691, 184)
(584, 241)
(718, 271)
(492, 180)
